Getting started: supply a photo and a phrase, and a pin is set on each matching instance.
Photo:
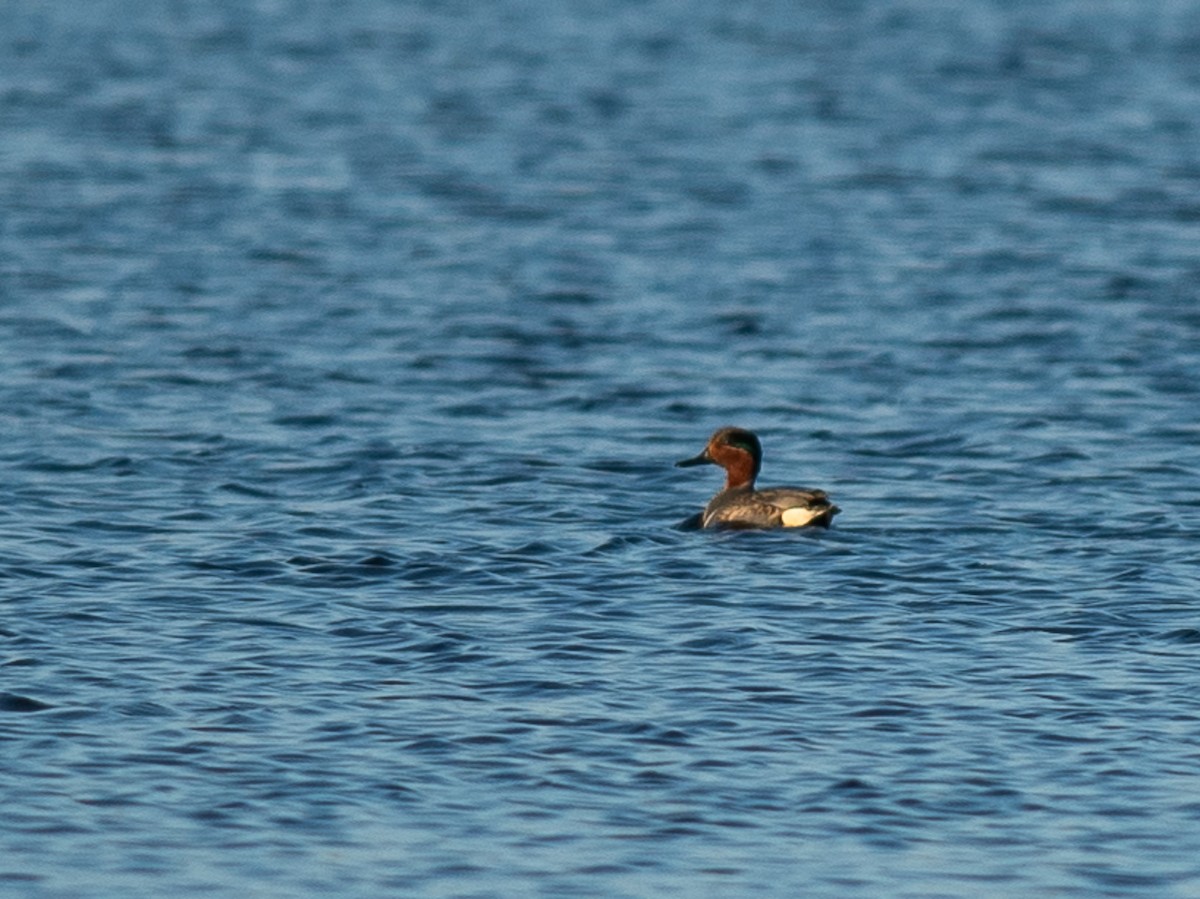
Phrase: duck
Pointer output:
(738, 505)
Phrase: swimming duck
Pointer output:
(739, 505)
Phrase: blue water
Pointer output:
(345, 349)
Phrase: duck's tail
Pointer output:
(819, 514)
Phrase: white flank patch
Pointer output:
(798, 516)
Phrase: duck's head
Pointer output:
(734, 449)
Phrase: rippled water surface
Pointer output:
(345, 349)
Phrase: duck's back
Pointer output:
(773, 507)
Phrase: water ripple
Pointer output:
(342, 382)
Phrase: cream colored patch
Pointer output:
(798, 516)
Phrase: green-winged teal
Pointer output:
(739, 505)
